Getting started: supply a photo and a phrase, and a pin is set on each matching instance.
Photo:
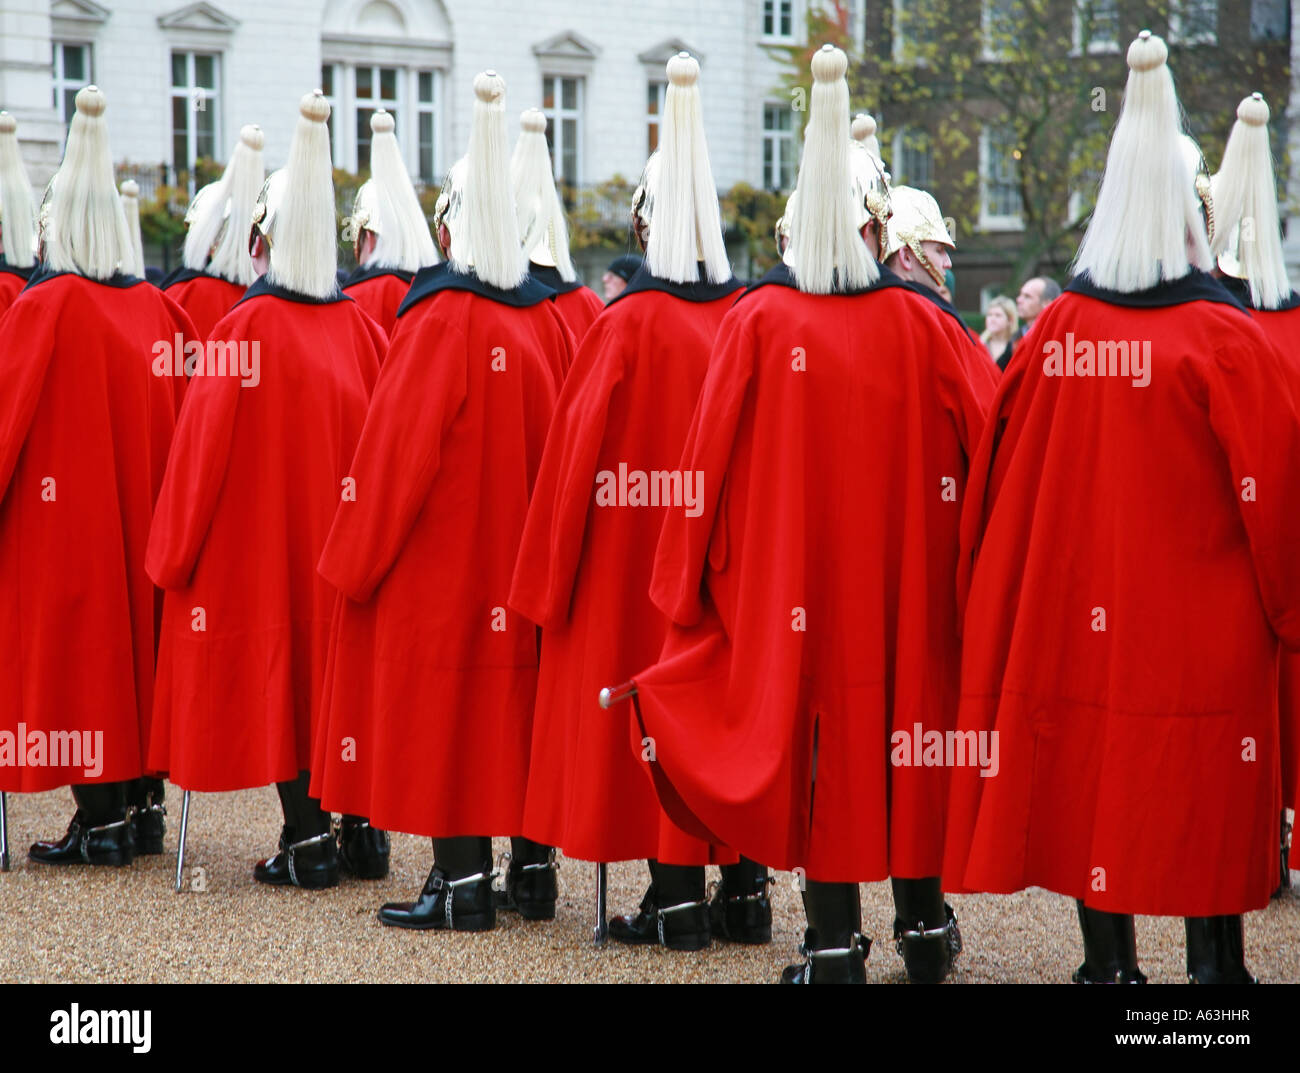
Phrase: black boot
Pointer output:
(311, 863)
(148, 826)
(100, 832)
(925, 929)
(1216, 951)
(363, 850)
(673, 912)
(308, 856)
(530, 887)
(1285, 883)
(740, 909)
(1109, 948)
(835, 951)
(457, 896)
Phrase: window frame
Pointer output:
(1202, 37)
(778, 9)
(191, 93)
(60, 84)
(775, 138)
(989, 221)
(555, 117)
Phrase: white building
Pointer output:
(182, 78)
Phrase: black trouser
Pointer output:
(467, 855)
(676, 884)
(101, 802)
(919, 901)
(303, 815)
(1109, 942)
(834, 912)
(744, 878)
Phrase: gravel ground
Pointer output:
(104, 924)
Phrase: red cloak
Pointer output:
(12, 281)
(1138, 558)
(205, 298)
(813, 596)
(84, 432)
(252, 484)
(578, 305)
(583, 572)
(379, 293)
(428, 706)
(1283, 330)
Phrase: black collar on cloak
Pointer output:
(1240, 289)
(181, 274)
(15, 270)
(1196, 286)
(933, 296)
(699, 291)
(782, 276)
(549, 276)
(118, 279)
(360, 275)
(263, 286)
(442, 277)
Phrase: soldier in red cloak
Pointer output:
(543, 229)
(588, 548)
(17, 216)
(1128, 568)
(257, 468)
(1251, 266)
(428, 700)
(216, 267)
(84, 431)
(387, 230)
(811, 595)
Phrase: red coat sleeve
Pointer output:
(684, 542)
(26, 346)
(558, 511)
(1252, 391)
(420, 391)
(196, 468)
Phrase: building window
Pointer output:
(376, 87)
(328, 87)
(562, 103)
(1194, 22)
(778, 20)
(426, 108)
(778, 147)
(916, 28)
(71, 72)
(999, 180)
(1270, 20)
(914, 158)
(1000, 20)
(1096, 26)
(655, 95)
(196, 109)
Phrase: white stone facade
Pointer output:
(269, 52)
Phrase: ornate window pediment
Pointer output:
(567, 53)
(200, 18)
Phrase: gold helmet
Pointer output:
(447, 210)
(1201, 178)
(916, 219)
(869, 182)
(269, 202)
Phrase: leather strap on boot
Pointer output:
(833, 965)
(291, 850)
(439, 881)
(664, 911)
(88, 833)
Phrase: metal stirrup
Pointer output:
(451, 884)
(289, 852)
(89, 832)
(675, 909)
